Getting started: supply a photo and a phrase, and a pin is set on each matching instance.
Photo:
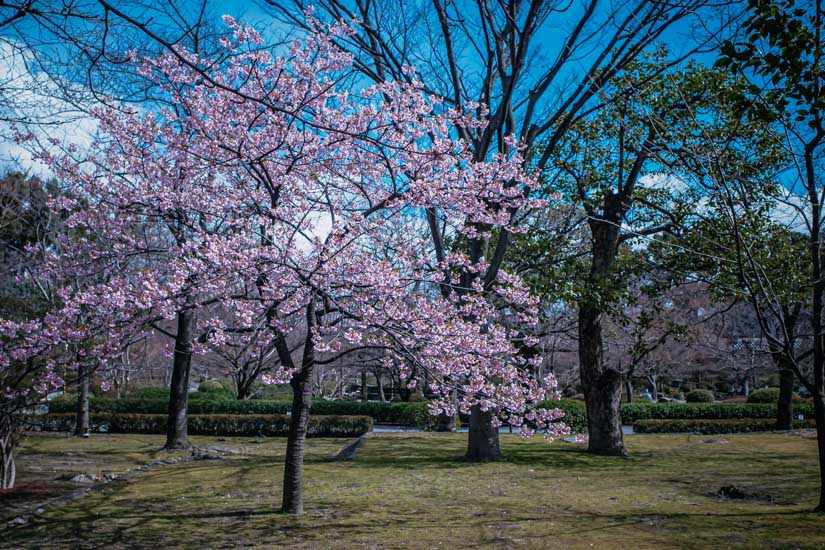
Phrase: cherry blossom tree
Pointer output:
(264, 187)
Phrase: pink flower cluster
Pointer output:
(267, 189)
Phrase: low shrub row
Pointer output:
(416, 413)
(633, 412)
(713, 426)
(210, 424)
(405, 414)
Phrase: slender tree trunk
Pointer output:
(293, 499)
(784, 407)
(364, 395)
(81, 426)
(7, 447)
(628, 389)
(819, 414)
(482, 442)
(380, 383)
(177, 436)
(654, 388)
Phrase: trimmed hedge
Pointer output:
(149, 392)
(714, 426)
(700, 396)
(211, 424)
(405, 414)
(633, 412)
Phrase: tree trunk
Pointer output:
(602, 388)
(784, 407)
(81, 426)
(628, 389)
(654, 388)
(819, 414)
(364, 395)
(7, 467)
(602, 384)
(293, 499)
(380, 383)
(482, 441)
(177, 436)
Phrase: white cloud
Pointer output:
(32, 101)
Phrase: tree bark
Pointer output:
(602, 384)
(819, 414)
(7, 467)
(482, 441)
(177, 436)
(293, 498)
(784, 407)
(364, 394)
(628, 389)
(81, 426)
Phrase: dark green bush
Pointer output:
(212, 424)
(149, 392)
(634, 412)
(769, 395)
(405, 414)
(714, 426)
(700, 396)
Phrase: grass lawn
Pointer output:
(413, 491)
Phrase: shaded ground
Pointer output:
(412, 491)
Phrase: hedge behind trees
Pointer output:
(714, 426)
(416, 413)
(405, 414)
(210, 424)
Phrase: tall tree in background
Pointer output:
(495, 57)
(782, 53)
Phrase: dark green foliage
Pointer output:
(714, 426)
(700, 396)
(405, 414)
(149, 392)
(769, 395)
(212, 424)
(214, 390)
(633, 412)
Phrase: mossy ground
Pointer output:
(413, 491)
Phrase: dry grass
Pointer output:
(413, 491)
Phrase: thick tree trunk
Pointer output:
(81, 426)
(177, 436)
(482, 441)
(602, 388)
(602, 384)
(784, 407)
